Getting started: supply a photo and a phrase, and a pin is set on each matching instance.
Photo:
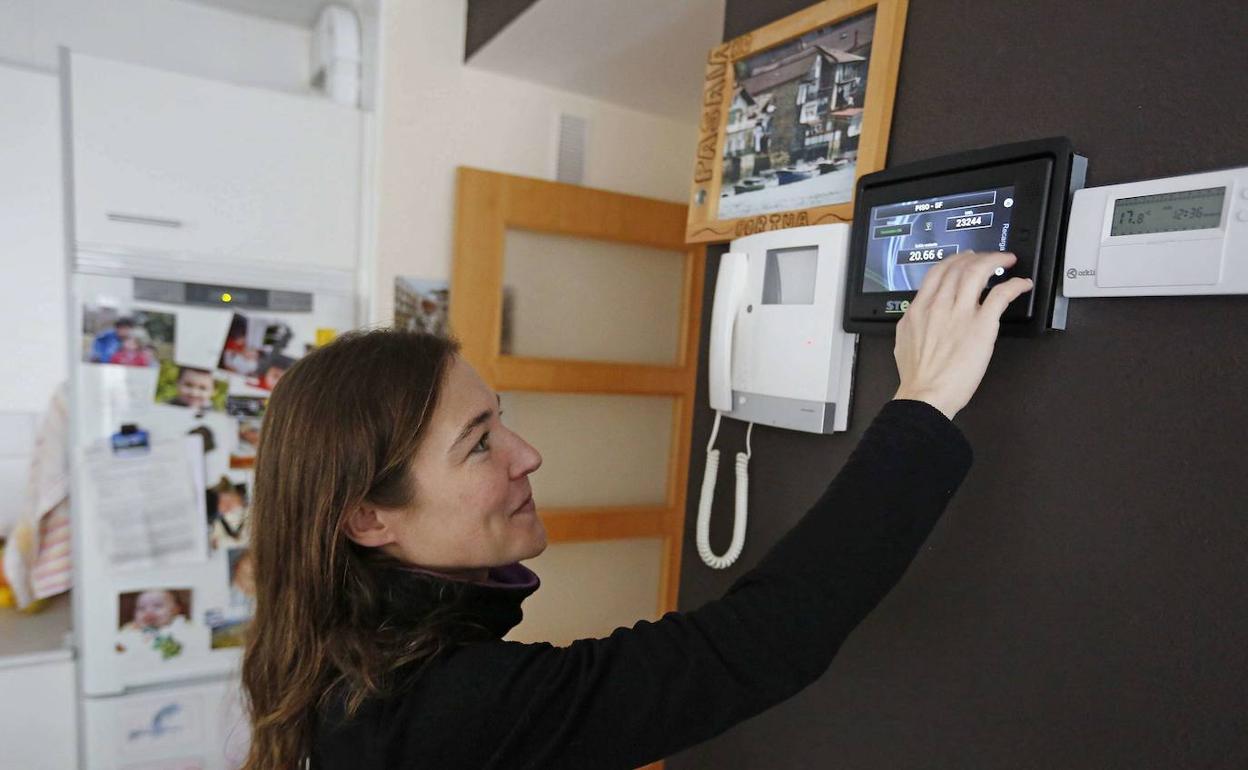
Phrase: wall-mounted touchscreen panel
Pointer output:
(1009, 198)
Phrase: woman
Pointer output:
(391, 511)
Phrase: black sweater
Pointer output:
(646, 692)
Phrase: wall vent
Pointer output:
(570, 149)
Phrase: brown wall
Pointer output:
(1084, 601)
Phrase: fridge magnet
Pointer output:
(130, 441)
(421, 305)
(324, 336)
(153, 624)
(160, 724)
(251, 344)
(191, 387)
(139, 338)
(244, 454)
(205, 433)
(792, 114)
(227, 514)
(245, 406)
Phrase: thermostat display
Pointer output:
(1168, 212)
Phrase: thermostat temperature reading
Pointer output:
(1168, 212)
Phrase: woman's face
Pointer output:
(472, 506)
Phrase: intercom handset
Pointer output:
(778, 354)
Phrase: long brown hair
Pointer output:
(341, 429)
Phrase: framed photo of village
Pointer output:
(792, 114)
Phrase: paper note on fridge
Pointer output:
(150, 507)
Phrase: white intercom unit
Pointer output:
(779, 354)
(1162, 237)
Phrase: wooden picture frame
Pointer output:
(799, 125)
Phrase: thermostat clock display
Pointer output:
(1168, 212)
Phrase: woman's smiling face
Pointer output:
(472, 506)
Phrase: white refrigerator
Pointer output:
(172, 361)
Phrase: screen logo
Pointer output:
(1072, 273)
(897, 306)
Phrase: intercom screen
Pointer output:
(789, 276)
(907, 238)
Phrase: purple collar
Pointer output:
(418, 596)
(515, 576)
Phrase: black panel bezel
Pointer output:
(1040, 172)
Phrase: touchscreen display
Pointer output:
(907, 238)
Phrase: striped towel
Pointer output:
(52, 572)
(37, 562)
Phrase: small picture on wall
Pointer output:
(137, 338)
(190, 387)
(153, 623)
(421, 305)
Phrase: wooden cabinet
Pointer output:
(169, 164)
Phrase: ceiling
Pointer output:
(649, 55)
(301, 13)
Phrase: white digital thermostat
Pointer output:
(1162, 237)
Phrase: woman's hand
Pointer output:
(945, 339)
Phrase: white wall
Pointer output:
(436, 114)
(170, 34)
(32, 258)
(32, 245)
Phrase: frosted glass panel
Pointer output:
(596, 449)
(588, 300)
(590, 589)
